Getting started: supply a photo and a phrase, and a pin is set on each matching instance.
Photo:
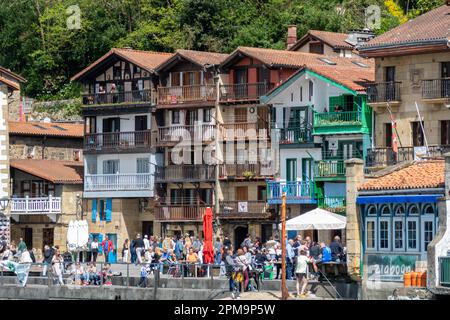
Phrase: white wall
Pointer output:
(126, 121)
(298, 154)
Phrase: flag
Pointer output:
(394, 135)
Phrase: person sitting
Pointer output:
(337, 251)
(92, 275)
(107, 275)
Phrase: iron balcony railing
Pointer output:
(184, 172)
(175, 133)
(384, 92)
(336, 204)
(329, 169)
(137, 96)
(243, 210)
(176, 212)
(294, 135)
(295, 190)
(337, 118)
(118, 182)
(117, 140)
(436, 88)
(186, 94)
(444, 266)
(32, 205)
(244, 91)
(341, 155)
(245, 170)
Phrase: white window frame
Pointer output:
(374, 220)
(426, 218)
(402, 221)
(416, 220)
(389, 235)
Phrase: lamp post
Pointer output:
(284, 290)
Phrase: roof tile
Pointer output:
(62, 172)
(74, 130)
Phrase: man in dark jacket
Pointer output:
(48, 255)
(336, 249)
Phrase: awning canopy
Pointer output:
(317, 219)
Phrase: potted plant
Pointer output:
(248, 175)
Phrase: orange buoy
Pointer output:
(414, 276)
(423, 279)
(407, 279)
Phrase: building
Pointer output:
(412, 70)
(119, 91)
(10, 85)
(320, 118)
(185, 138)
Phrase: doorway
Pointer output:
(239, 235)
(47, 237)
(147, 228)
(28, 237)
(112, 257)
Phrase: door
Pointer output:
(427, 231)
(147, 228)
(266, 232)
(240, 233)
(417, 133)
(111, 125)
(445, 74)
(390, 83)
(112, 257)
(47, 237)
(191, 117)
(240, 80)
(307, 168)
(140, 125)
(241, 193)
(28, 237)
(291, 170)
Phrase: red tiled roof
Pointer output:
(74, 130)
(147, 60)
(431, 26)
(202, 57)
(12, 74)
(10, 83)
(59, 172)
(335, 40)
(419, 175)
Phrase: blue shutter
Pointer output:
(100, 239)
(94, 210)
(108, 209)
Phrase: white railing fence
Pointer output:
(36, 205)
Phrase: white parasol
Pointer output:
(317, 219)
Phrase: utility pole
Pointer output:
(284, 290)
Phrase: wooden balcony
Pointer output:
(436, 90)
(186, 94)
(297, 192)
(246, 171)
(34, 206)
(242, 92)
(174, 134)
(244, 131)
(126, 141)
(126, 97)
(384, 92)
(185, 173)
(238, 210)
(118, 182)
(179, 212)
(340, 122)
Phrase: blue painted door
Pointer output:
(112, 257)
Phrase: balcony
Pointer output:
(117, 141)
(295, 136)
(436, 90)
(34, 206)
(297, 192)
(185, 173)
(238, 210)
(179, 212)
(186, 94)
(132, 97)
(230, 93)
(244, 131)
(174, 134)
(120, 184)
(329, 170)
(340, 122)
(246, 171)
(336, 204)
(384, 93)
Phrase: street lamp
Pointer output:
(4, 202)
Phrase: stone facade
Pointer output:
(4, 141)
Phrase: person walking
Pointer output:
(133, 251)
(48, 256)
(146, 243)
(301, 273)
(21, 247)
(289, 259)
(88, 250)
(139, 245)
(217, 251)
(125, 251)
(108, 247)
(57, 262)
(94, 250)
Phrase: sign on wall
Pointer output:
(389, 267)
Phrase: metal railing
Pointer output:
(244, 91)
(175, 133)
(336, 204)
(184, 172)
(136, 96)
(329, 169)
(337, 118)
(31, 205)
(295, 190)
(245, 170)
(444, 266)
(184, 94)
(179, 212)
(117, 140)
(340, 154)
(117, 182)
(436, 88)
(243, 209)
(295, 135)
(244, 130)
(384, 92)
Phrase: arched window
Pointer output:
(399, 209)
(385, 210)
(429, 209)
(414, 210)
(371, 210)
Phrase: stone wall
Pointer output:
(4, 142)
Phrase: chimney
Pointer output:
(292, 35)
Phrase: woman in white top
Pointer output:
(57, 261)
(301, 270)
(242, 262)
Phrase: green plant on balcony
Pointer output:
(248, 175)
(336, 122)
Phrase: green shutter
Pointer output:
(94, 210)
(108, 209)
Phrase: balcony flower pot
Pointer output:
(248, 175)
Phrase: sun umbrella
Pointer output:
(71, 236)
(208, 250)
(317, 219)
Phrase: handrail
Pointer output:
(120, 140)
(116, 97)
(186, 93)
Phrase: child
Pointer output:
(145, 271)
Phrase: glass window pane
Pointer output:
(398, 234)
(428, 233)
(412, 234)
(371, 234)
(384, 234)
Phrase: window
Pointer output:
(385, 210)
(301, 94)
(384, 235)
(417, 133)
(413, 210)
(371, 210)
(327, 61)
(398, 235)
(175, 116)
(175, 79)
(399, 210)
(117, 74)
(388, 134)
(206, 115)
(360, 64)
(142, 165)
(445, 132)
(311, 90)
(428, 233)
(102, 210)
(316, 47)
(412, 234)
(370, 234)
(111, 166)
(262, 193)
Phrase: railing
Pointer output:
(244, 91)
(335, 204)
(183, 172)
(176, 212)
(117, 140)
(118, 182)
(295, 135)
(444, 266)
(137, 96)
(32, 205)
(329, 169)
(246, 170)
(295, 190)
(204, 132)
(436, 88)
(184, 94)
(243, 209)
(337, 118)
(384, 92)
(244, 130)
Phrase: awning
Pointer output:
(398, 199)
(317, 219)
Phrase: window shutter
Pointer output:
(108, 209)
(100, 239)
(94, 210)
